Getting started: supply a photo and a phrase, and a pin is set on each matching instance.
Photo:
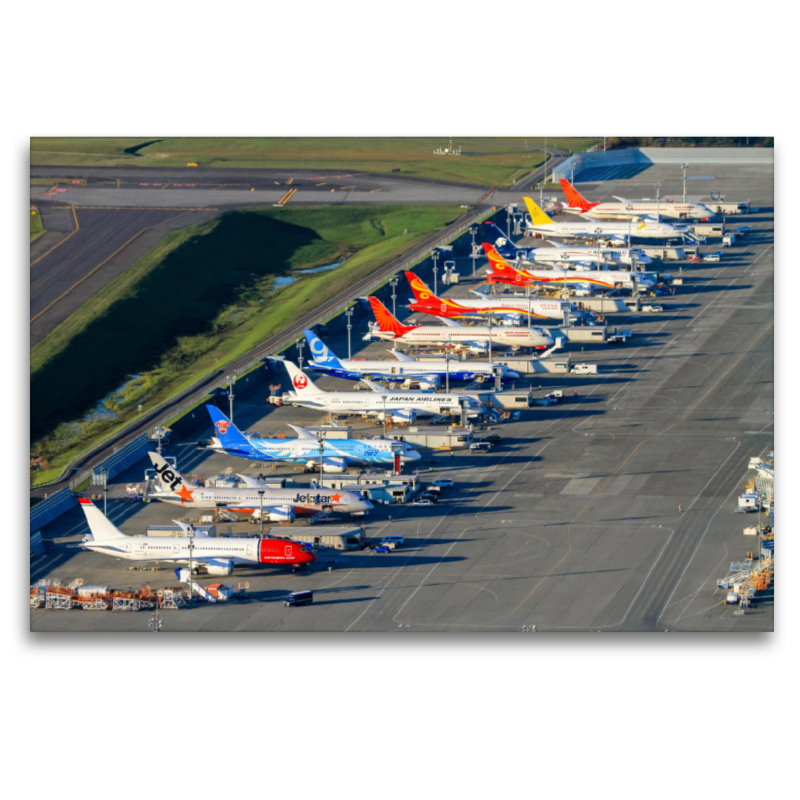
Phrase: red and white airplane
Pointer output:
(502, 272)
(578, 204)
(215, 556)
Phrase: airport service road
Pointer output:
(571, 524)
(84, 249)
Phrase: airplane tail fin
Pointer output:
(538, 217)
(301, 383)
(319, 350)
(422, 294)
(169, 478)
(227, 433)
(574, 197)
(99, 524)
(502, 268)
(387, 323)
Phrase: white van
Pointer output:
(584, 369)
(395, 540)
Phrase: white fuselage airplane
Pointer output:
(503, 272)
(281, 504)
(633, 208)
(398, 406)
(430, 371)
(610, 231)
(216, 556)
(392, 330)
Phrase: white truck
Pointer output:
(584, 369)
(747, 502)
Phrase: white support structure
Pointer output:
(125, 604)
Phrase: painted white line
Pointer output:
(444, 555)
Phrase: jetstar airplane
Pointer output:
(405, 368)
(397, 406)
(281, 504)
(511, 310)
(569, 256)
(502, 272)
(215, 556)
(337, 454)
(392, 330)
(633, 208)
(608, 231)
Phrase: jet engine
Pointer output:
(281, 514)
(219, 566)
(400, 416)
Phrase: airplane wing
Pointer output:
(482, 295)
(622, 199)
(591, 219)
(450, 322)
(376, 387)
(556, 244)
(302, 433)
(400, 356)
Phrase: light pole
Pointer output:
(435, 257)
(473, 231)
(261, 502)
(490, 338)
(191, 564)
(384, 414)
(160, 434)
(321, 444)
(393, 283)
(508, 222)
(230, 380)
(447, 366)
(349, 315)
(301, 343)
(528, 292)
(155, 623)
(104, 476)
(658, 201)
(684, 182)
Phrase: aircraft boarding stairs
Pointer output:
(194, 586)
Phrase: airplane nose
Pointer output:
(366, 505)
(413, 455)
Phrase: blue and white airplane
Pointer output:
(337, 454)
(430, 372)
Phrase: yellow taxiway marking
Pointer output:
(289, 182)
(77, 228)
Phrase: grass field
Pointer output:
(483, 161)
(201, 298)
(37, 227)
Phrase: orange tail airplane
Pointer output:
(575, 198)
(502, 271)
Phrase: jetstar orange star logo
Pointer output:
(184, 494)
(336, 498)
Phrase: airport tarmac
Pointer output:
(571, 524)
(85, 249)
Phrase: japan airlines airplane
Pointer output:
(610, 231)
(510, 309)
(380, 402)
(337, 454)
(405, 368)
(633, 208)
(215, 556)
(282, 504)
(392, 330)
(502, 272)
(569, 256)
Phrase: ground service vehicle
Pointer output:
(712, 257)
(653, 309)
(299, 599)
(422, 503)
(494, 438)
(429, 496)
(480, 447)
(584, 369)
(445, 483)
(397, 540)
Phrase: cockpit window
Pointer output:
(303, 549)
